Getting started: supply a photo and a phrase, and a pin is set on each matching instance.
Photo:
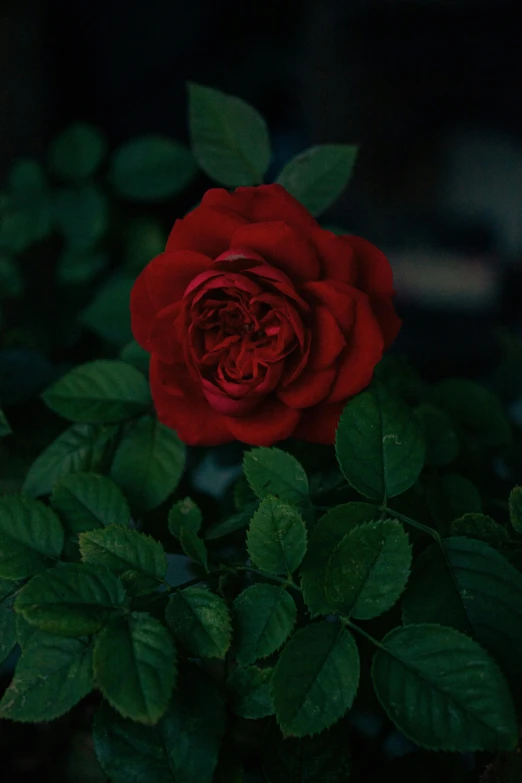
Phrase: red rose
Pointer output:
(260, 324)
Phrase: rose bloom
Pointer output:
(260, 324)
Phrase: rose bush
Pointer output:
(218, 630)
(260, 324)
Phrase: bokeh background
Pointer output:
(430, 89)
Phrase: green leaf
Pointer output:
(200, 622)
(229, 137)
(379, 444)
(77, 267)
(481, 527)
(11, 283)
(101, 391)
(79, 448)
(25, 632)
(71, 600)
(52, 676)
(324, 538)
(108, 315)
(274, 472)
(185, 513)
(515, 508)
(82, 215)
(135, 666)
(442, 444)
(318, 176)
(232, 524)
(77, 152)
(145, 239)
(250, 692)
(473, 588)
(148, 463)
(450, 496)
(368, 569)
(5, 428)
(264, 617)
(194, 547)
(151, 168)
(31, 537)
(443, 691)
(134, 354)
(8, 637)
(182, 748)
(315, 679)
(86, 501)
(276, 538)
(475, 408)
(242, 492)
(138, 559)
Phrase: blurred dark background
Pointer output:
(430, 89)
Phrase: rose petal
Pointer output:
(318, 424)
(297, 361)
(281, 246)
(228, 406)
(338, 298)
(142, 312)
(261, 204)
(206, 229)
(196, 423)
(327, 339)
(309, 389)
(247, 260)
(269, 423)
(166, 332)
(236, 399)
(167, 276)
(363, 352)
(238, 259)
(336, 256)
(210, 280)
(375, 274)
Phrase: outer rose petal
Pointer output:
(165, 334)
(336, 256)
(282, 247)
(206, 230)
(375, 274)
(327, 339)
(309, 389)
(189, 414)
(268, 424)
(338, 298)
(262, 204)
(318, 424)
(142, 312)
(363, 352)
(160, 284)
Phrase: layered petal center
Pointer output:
(241, 327)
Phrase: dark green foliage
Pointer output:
(254, 632)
